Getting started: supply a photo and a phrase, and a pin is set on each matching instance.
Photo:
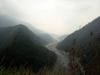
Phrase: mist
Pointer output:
(56, 17)
(51, 37)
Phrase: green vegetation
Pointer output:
(83, 47)
(29, 71)
(85, 60)
(22, 47)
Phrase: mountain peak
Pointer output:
(20, 26)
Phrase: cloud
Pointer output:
(9, 8)
(56, 16)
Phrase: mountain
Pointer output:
(61, 38)
(19, 46)
(83, 47)
(6, 21)
(81, 36)
(47, 38)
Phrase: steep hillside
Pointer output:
(21, 47)
(83, 47)
(81, 36)
(43, 35)
(6, 21)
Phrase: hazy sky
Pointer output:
(54, 16)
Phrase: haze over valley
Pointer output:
(49, 37)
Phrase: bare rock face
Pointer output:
(21, 47)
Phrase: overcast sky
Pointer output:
(54, 16)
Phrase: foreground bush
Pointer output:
(29, 71)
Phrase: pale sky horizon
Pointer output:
(53, 16)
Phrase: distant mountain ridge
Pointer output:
(43, 35)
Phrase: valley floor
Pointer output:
(62, 56)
